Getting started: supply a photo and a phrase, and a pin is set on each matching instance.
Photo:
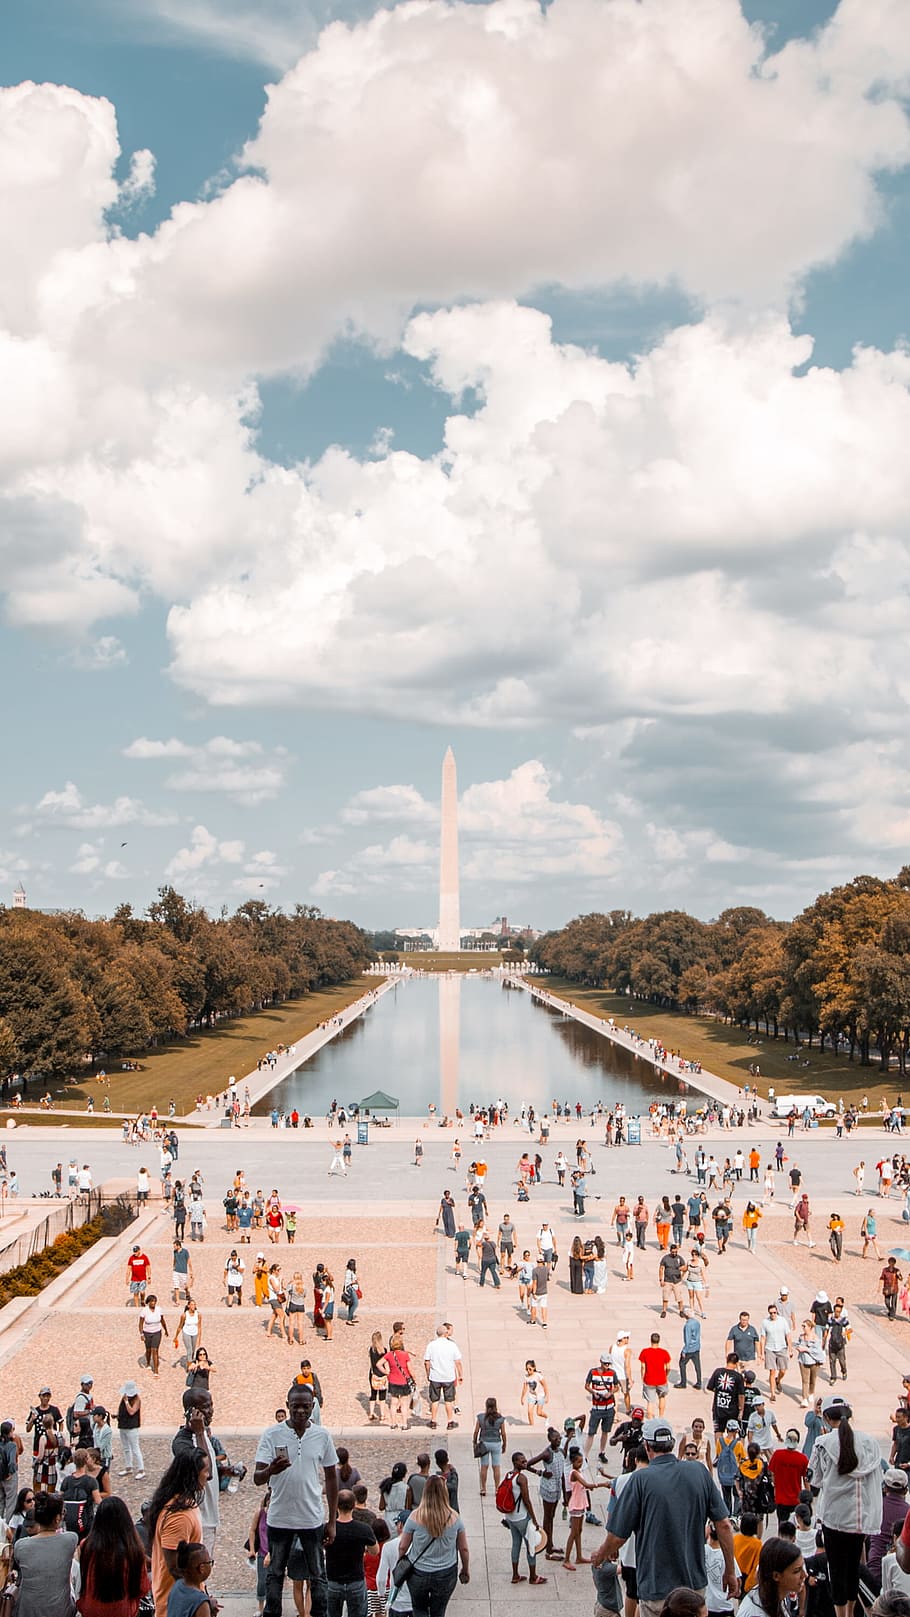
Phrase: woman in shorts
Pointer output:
(295, 1310)
(152, 1325)
(534, 1393)
(276, 1301)
(379, 1378)
(400, 1376)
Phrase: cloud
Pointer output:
(69, 808)
(403, 804)
(139, 184)
(204, 850)
(100, 655)
(217, 766)
(273, 31)
(512, 832)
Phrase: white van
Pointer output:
(783, 1105)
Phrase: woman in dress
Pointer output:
(260, 1281)
(869, 1232)
(112, 1567)
(295, 1310)
(446, 1214)
(577, 1267)
(534, 1393)
(379, 1378)
(489, 1442)
(47, 1458)
(601, 1273)
(400, 1376)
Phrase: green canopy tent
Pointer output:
(379, 1102)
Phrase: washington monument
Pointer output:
(449, 918)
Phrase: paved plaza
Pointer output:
(383, 1214)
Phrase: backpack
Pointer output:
(764, 1494)
(505, 1497)
(837, 1336)
(726, 1464)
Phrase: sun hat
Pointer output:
(129, 1390)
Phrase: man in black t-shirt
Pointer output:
(344, 1559)
(818, 1582)
(729, 1388)
(81, 1494)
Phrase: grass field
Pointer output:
(203, 1063)
(725, 1050)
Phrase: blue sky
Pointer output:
(503, 394)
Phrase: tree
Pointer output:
(8, 1047)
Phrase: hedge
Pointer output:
(27, 1279)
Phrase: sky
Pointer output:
(530, 380)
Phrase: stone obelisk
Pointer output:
(449, 917)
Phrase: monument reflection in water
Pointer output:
(454, 1039)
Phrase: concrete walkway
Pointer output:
(708, 1083)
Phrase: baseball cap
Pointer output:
(86, 1381)
(749, 1376)
(894, 1477)
(638, 1413)
(833, 1404)
(568, 1424)
(624, 1336)
(43, 1390)
(605, 1358)
(732, 1426)
(136, 1247)
(658, 1432)
(784, 1291)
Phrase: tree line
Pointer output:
(838, 974)
(74, 990)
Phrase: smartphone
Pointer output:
(281, 1453)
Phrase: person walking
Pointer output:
(152, 1326)
(534, 1393)
(655, 1374)
(297, 1459)
(489, 1260)
(801, 1217)
(869, 1232)
(752, 1215)
(601, 1386)
(775, 1348)
(837, 1335)
(446, 1215)
(809, 1355)
(444, 1371)
(846, 1468)
(378, 1377)
(401, 1382)
(859, 1177)
(670, 1273)
(351, 1293)
(666, 1505)
(690, 1352)
(435, 1541)
(489, 1442)
(336, 1166)
(129, 1420)
(788, 1467)
(890, 1281)
(345, 1579)
(836, 1236)
(520, 1520)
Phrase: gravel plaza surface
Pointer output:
(407, 1272)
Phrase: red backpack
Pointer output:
(505, 1497)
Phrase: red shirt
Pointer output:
(788, 1467)
(656, 1361)
(138, 1265)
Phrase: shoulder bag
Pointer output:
(404, 1566)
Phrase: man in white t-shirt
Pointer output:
(442, 1362)
(293, 1459)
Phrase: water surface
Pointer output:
(457, 1039)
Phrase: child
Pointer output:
(189, 1596)
(717, 1600)
(628, 1254)
(607, 1589)
(579, 1488)
(805, 1532)
(747, 1549)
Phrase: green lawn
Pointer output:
(725, 1050)
(465, 960)
(204, 1062)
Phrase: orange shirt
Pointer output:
(746, 1552)
(171, 1527)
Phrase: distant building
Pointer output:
(19, 899)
